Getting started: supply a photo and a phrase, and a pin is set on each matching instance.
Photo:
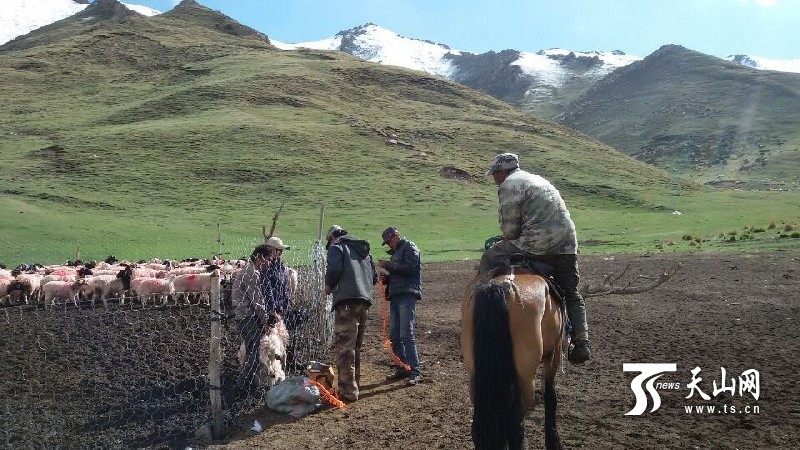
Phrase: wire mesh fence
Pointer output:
(136, 375)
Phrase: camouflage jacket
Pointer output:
(534, 217)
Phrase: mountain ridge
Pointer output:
(687, 111)
(171, 122)
(552, 83)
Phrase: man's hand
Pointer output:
(383, 272)
(382, 262)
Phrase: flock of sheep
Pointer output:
(145, 281)
(154, 280)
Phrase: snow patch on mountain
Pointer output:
(546, 66)
(334, 43)
(143, 10)
(376, 44)
(18, 17)
(787, 65)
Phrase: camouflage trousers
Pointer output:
(350, 320)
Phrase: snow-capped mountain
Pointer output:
(376, 44)
(373, 43)
(518, 77)
(18, 17)
(543, 81)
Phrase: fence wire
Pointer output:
(136, 376)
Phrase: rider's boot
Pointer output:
(576, 309)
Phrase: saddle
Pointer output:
(509, 264)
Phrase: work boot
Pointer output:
(397, 375)
(576, 309)
(581, 352)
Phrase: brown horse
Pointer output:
(510, 325)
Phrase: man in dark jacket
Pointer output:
(349, 276)
(403, 277)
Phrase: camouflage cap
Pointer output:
(503, 161)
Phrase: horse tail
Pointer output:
(497, 418)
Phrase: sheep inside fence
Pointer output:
(132, 370)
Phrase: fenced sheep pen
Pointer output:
(136, 376)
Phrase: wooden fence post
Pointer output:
(215, 361)
(219, 242)
(321, 222)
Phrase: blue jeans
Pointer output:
(401, 329)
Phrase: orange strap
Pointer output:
(387, 343)
(326, 394)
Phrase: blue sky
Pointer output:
(766, 28)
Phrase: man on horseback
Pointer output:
(534, 221)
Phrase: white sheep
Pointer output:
(57, 277)
(33, 284)
(157, 288)
(199, 283)
(187, 270)
(105, 287)
(5, 282)
(62, 290)
(271, 354)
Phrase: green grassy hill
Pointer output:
(700, 116)
(138, 135)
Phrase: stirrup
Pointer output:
(581, 356)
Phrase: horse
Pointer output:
(511, 324)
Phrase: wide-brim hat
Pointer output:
(276, 242)
(332, 230)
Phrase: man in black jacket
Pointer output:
(403, 277)
(349, 276)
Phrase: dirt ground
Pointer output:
(737, 311)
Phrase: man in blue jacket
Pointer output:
(403, 278)
(349, 276)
